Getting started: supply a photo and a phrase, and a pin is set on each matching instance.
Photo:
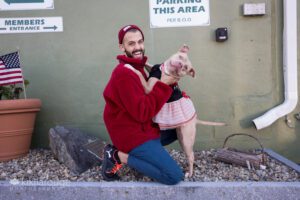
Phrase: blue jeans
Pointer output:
(151, 159)
(168, 136)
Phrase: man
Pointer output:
(128, 116)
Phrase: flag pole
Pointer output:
(23, 82)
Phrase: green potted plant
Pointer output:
(12, 91)
(17, 116)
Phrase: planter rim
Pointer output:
(20, 104)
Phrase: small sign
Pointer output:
(31, 25)
(179, 13)
(250, 9)
(26, 4)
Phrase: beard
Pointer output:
(130, 54)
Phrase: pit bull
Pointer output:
(178, 66)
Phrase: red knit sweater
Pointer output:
(128, 111)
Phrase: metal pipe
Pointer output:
(289, 68)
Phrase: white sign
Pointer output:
(31, 25)
(26, 4)
(178, 13)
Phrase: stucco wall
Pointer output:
(237, 80)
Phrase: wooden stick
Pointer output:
(239, 158)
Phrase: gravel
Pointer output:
(40, 165)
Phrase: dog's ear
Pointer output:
(191, 72)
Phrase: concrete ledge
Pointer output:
(15, 190)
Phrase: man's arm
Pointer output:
(141, 106)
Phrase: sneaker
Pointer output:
(110, 164)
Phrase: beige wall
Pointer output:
(237, 80)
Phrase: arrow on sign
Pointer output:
(23, 1)
(51, 27)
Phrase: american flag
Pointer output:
(10, 70)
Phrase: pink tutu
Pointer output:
(176, 113)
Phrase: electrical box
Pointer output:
(221, 34)
(252, 9)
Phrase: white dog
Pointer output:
(185, 119)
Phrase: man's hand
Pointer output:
(167, 79)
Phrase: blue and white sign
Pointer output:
(26, 4)
(31, 25)
(179, 13)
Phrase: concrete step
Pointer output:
(54, 190)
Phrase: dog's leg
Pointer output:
(148, 86)
(186, 136)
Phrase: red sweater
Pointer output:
(128, 111)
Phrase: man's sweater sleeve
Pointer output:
(141, 106)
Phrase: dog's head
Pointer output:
(179, 64)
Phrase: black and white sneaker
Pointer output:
(111, 163)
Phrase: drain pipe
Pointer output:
(289, 68)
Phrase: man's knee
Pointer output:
(174, 177)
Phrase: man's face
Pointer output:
(133, 45)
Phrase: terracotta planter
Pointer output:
(17, 119)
